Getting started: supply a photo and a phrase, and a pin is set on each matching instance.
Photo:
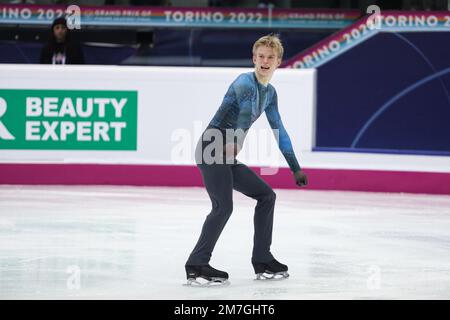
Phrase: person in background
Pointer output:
(60, 48)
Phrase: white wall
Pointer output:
(172, 102)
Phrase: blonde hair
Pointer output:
(271, 41)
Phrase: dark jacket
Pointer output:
(72, 51)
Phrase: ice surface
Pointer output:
(100, 242)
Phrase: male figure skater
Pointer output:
(246, 99)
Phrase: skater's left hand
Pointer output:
(300, 178)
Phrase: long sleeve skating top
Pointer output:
(245, 100)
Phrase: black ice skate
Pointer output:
(206, 272)
(272, 270)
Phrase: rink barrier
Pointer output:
(189, 176)
(133, 115)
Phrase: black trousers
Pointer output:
(220, 180)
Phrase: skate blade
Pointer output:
(269, 276)
(204, 283)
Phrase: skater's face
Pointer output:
(266, 62)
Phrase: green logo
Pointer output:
(68, 119)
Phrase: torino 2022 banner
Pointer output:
(180, 17)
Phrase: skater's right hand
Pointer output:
(300, 178)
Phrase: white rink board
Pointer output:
(171, 101)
